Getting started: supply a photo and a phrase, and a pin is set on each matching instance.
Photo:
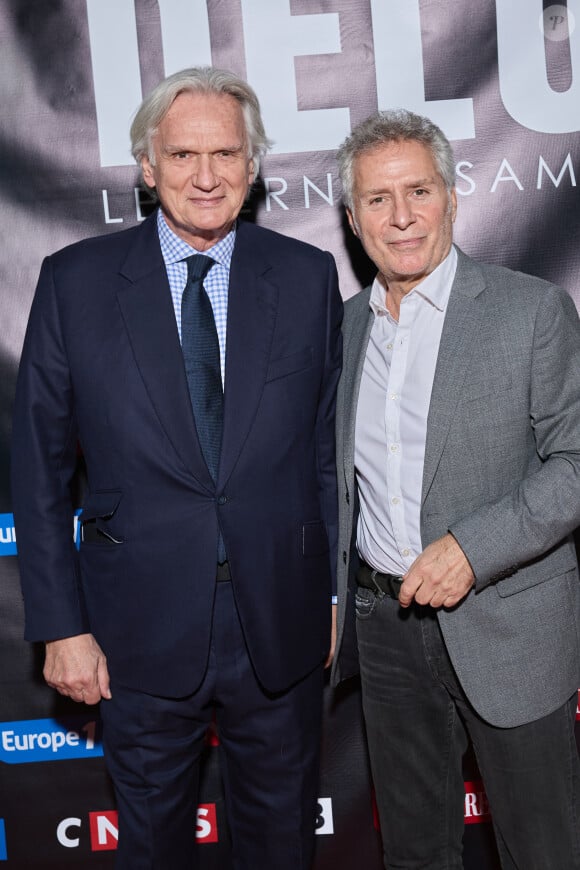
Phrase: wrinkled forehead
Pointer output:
(400, 163)
(199, 112)
(409, 153)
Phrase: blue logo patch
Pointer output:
(8, 533)
(50, 740)
(3, 852)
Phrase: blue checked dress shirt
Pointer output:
(174, 251)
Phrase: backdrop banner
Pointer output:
(498, 77)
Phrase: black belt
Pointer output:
(222, 574)
(387, 584)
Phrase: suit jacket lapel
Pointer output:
(457, 340)
(252, 308)
(149, 317)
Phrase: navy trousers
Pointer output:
(269, 755)
(418, 722)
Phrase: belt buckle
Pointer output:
(380, 593)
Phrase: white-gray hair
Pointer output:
(395, 125)
(205, 80)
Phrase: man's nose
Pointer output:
(204, 175)
(402, 214)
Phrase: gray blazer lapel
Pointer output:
(461, 325)
(358, 321)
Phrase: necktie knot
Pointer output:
(198, 265)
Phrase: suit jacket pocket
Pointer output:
(98, 508)
(288, 365)
(101, 504)
(535, 573)
(314, 539)
(473, 391)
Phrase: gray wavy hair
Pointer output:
(395, 125)
(205, 80)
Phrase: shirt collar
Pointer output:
(435, 288)
(174, 249)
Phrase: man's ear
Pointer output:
(453, 198)
(351, 222)
(148, 171)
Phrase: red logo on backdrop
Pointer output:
(206, 830)
(104, 827)
(104, 830)
(476, 804)
(212, 736)
(376, 822)
(476, 807)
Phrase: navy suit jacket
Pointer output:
(102, 367)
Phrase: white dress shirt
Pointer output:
(391, 421)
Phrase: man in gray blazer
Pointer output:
(459, 486)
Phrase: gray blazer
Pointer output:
(502, 473)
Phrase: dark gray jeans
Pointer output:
(418, 723)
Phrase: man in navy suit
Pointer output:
(197, 590)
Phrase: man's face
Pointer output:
(202, 170)
(402, 212)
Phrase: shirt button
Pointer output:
(222, 499)
(405, 552)
(395, 500)
(394, 448)
(393, 396)
(389, 346)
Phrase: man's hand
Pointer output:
(441, 576)
(330, 656)
(77, 667)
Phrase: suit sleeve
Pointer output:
(325, 421)
(544, 507)
(44, 455)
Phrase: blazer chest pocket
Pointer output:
(289, 365)
(476, 390)
(98, 509)
(314, 539)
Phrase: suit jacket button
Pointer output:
(222, 499)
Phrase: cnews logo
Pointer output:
(104, 829)
(50, 740)
(8, 534)
(3, 852)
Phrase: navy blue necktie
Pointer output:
(201, 353)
